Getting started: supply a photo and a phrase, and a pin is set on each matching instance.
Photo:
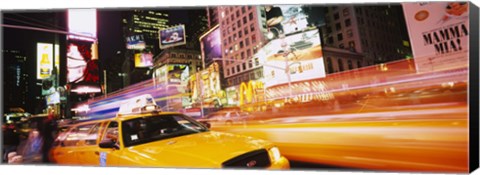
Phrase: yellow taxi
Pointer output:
(142, 136)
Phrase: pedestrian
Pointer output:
(10, 140)
(47, 132)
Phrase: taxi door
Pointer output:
(110, 156)
(89, 153)
(64, 150)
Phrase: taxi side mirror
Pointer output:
(207, 124)
(108, 144)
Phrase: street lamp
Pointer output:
(286, 52)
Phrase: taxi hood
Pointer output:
(201, 150)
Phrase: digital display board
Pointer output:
(173, 36)
(178, 73)
(136, 42)
(211, 45)
(301, 54)
(82, 22)
(143, 59)
(82, 71)
(287, 18)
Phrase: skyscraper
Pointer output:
(212, 16)
(377, 31)
(146, 24)
(243, 34)
(16, 79)
(141, 25)
(196, 24)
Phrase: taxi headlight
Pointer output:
(274, 154)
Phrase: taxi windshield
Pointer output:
(158, 127)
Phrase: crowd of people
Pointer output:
(31, 149)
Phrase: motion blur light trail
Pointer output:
(433, 140)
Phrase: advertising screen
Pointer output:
(300, 54)
(205, 85)
(211, 45)
(286, 18)
(173, 36)
(53, 98)
(82, 71)
(136, 42)
(160, 75)
(44, 60)
(82, 22)
(177, 73)
(143, 59)
(438, 34)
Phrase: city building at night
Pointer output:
(15, 79)
(188, 57)
(146, 24)
(198, 24)
(339, 60)
(140, 30)
(369, 87)
(212, 16)
(242, 35)
(25, 72)
(378, 32)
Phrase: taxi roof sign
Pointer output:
(138, 104)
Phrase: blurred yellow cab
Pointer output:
(142, 136)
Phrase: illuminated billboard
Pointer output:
(205, 86)
(438, 34)
(44, 60)
(57, 58)
(82, 71)
(211, 45)
(136, 42)
(172, 74)
(173, 36)
(82, 22)
(300, 54)
(178, 74)
(143, 59)
(286, 18)
(53, 98)
(160, 75)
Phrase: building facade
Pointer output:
(243, 34)
(375, 31)
(141, 25)
(212, 16)
(189, 57)
(339, 60)
(197, 25)
(15, 79)
(146, 24)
